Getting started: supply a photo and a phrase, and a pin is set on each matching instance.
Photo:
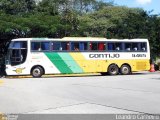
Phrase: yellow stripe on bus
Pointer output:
(102, 65)
(89, 65)
(81, 61)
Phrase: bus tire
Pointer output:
(125, 70)
(113, 69)
(37, 72)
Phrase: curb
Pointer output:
(55, 75)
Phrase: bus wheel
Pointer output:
(113, 69)
(37, 72)
(125, 69)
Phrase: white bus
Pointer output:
(39, 56)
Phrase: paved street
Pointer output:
(136, 93)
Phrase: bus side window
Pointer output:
(45, 46)
(143, 46)
(135, 47)
(111, 47)
(75, 46)
(93, 46)
(90, 45)
(65, 46)
(118, 46)
(83, 46)
(101, 46)
(128, 46)
(36, 46)
(55, 46)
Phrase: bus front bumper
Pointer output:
(10, 70)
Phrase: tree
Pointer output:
(50, 7)
(104, 20)
(17, 7)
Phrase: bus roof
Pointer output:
(79, 39)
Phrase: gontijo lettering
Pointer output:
(104, 55)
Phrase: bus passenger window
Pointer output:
(118, 46)
(93, 46)
(111, 46)
(143, 46)
(127, 46)
(55, 46)
(45, 46)
(64, 45)
(135, 47)
(75, 46)
(90, 46)
(35, 46)
(101, 46)
(83, 46)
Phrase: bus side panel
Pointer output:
(71, 62)
(97, 65)
(64, 62)
(136, 65)
(86, 65)
(42, 60)
(140, 65)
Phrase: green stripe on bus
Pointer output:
(67, 58)
(58, 62)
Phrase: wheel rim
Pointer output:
(36, 72)
(113, 70)
(125, 70)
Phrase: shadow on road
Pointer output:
(81, 75)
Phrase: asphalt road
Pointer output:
(136, 93)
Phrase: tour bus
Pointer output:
(73, 55)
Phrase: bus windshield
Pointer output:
(17, 53)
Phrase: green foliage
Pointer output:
(48, 6)
(16, 7)
(104, 20)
